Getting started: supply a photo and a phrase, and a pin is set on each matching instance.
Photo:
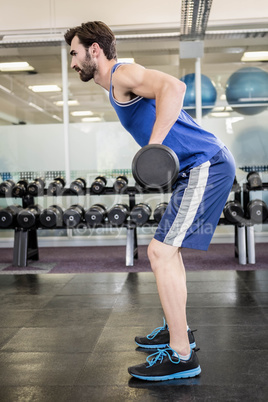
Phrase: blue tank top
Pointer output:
(192, 144)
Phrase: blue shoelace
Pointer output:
(156, 331)
(159, 355)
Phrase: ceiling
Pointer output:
(154, 48)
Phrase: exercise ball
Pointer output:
(208, 93)
(247, 86)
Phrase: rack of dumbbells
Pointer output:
(25, 219)
(255, 210)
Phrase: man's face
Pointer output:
(82, 62)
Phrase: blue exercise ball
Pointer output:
(247, 86)
(208, 94)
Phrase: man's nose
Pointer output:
(72, 64)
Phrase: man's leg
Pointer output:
(169, 271)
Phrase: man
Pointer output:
(149, 105)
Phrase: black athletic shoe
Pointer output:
(159, 338)
(166, 365)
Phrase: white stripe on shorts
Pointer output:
(190, 203)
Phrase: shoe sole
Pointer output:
(184, 374)
(160, 346)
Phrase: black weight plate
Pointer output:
(155, 166)
(233, 212)
(159, 211)
(71, 218)
(117, 215)
(26, 219)
(140, 214)
(6, 219)
(48, 218)
(258, 211)
(94, 215)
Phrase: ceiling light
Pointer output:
(16, 66)
(56, 117)
(220, 114)
(82, 113)
(36, 107)
(70, 103)
(91, 119)
(45, 88)
(5, 89)
(126, 60)
(255, 56)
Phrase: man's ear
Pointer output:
(95, 49)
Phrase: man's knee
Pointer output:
(160, 253)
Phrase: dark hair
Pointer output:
(91, 32)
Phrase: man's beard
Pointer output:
(88, 69)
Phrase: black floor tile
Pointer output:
(91, 288)
(6, 334)
(28, 369)
(217, 287)
(232, 337)
(23, 302)
(74, 339)
(12, 318)
(84, 301)
(146, 318)
(67, 318)
(226, 316)
(193, 391)
(34, 393)
(119, 339)
(234, 367)
(261, 298)
(71, 337)
(103, 277)
(109, 368)
(234, 299)
(128, 301)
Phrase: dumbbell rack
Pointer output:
(239, 228)
(26, 242)
(249, 225)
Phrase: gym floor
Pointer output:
(67, 337)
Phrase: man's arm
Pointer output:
(167, 91)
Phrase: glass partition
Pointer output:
(32, 123)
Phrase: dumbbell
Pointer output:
(36, 187)
(155, 167)
(140, 213)
(159, 211)
(28, 217)
(78, 186)
(73, 215)
(98, 185)
(257, 211)
(233, 212)
(8, 216)
(51, 217)
(95, 215)
(56, 186)
(6, 187)
(20, 189)
(118, 214)
(120, 184)
(254, 180)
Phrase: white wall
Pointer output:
(19, 15)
